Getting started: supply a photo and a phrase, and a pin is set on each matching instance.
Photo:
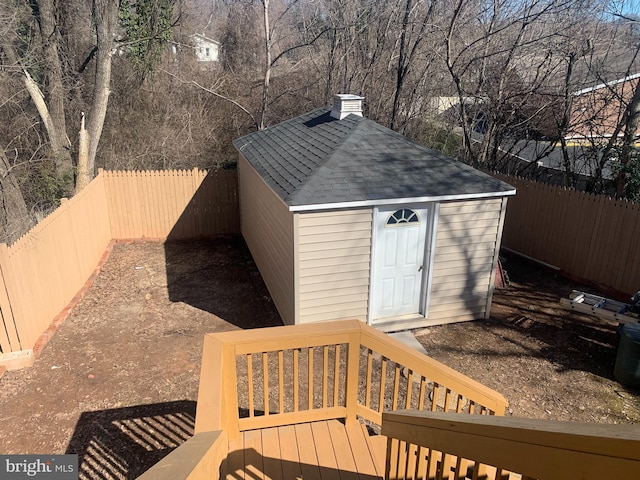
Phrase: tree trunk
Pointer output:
(331, 66)
(402, 66)
(14, 216)
(105, 17)
(83, 177)
(450, 60)
(406, 58)
(267, 63)
(565, 121)
(44, 11)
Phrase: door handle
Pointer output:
(420, 268)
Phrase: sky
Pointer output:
(626, 6)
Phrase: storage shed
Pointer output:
(348, 219)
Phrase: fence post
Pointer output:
(353, 370)
(19, 355)
(9, 339)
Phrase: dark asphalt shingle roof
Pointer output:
(315, 159)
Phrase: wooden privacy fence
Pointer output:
(44, 269)
(588, 236)
(593, 237)
(42, 272)
(172, 204)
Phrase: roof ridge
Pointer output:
(359, 120)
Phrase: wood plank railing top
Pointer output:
(473, 446)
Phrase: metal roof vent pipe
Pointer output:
(345, 104)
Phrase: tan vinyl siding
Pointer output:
(334, 259)
(466, 242)
(362, 280)
(267, 227)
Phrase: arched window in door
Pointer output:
(402, 216)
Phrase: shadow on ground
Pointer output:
(527, 320)
(571, 341)
(125, 442)
(219, 277)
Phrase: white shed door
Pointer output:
(399, 266)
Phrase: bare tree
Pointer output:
(15, 219)
(498, 67)
(14, 216)
(51, 96)
(268, 66)
(75, 42)
(51, 104)
(417, 24)
(284, 32)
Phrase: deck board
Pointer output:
(346, 463)
(308, 457)
(253, 464)
(323, 450)
(360, 450)
(378, 448)
(291, 468)
(271, 454)
(235, 461)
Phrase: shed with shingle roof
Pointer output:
(348, 219)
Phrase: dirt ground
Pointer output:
(118, 382)
(548, 362)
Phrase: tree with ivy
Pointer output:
(147, 25)
(629, 173)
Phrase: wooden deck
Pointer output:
(323, 450)
(292, 421)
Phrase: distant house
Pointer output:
(206, 49)
(348, 219)
(597, 110)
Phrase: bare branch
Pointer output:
(217, 94)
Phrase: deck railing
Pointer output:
(433, 445)
(268, 377)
